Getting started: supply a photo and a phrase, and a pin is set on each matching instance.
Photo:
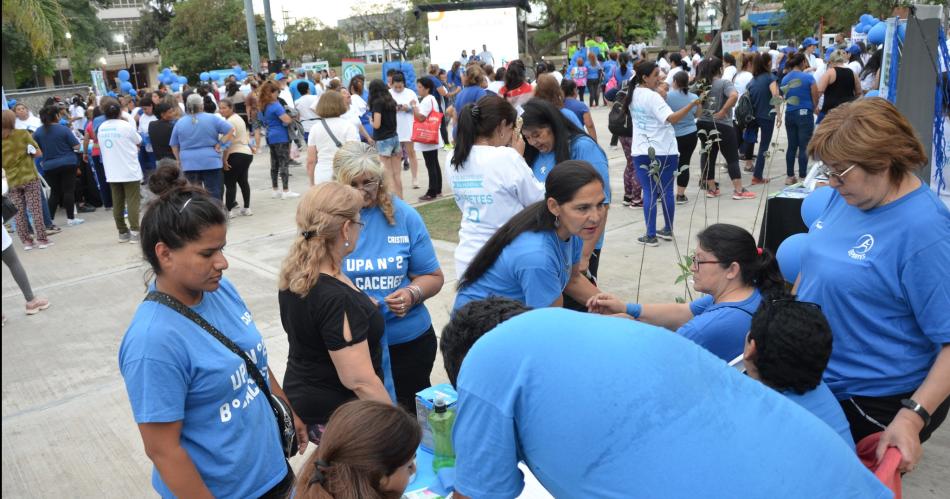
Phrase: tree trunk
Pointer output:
(536, 54)
(671, 20)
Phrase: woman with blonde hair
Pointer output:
(327, 135)
(839, 84)
(393, 232)
(334, 330)
(368, 452)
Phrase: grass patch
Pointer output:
(442, 218)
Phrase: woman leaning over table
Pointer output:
(395, 264)
(877, 261)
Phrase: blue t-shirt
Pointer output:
(276, 129)
(57, 142)
(455, 77)
(604, 407)
(384, 259)
(469, 94)
(880, 277)
(435, 93)
(572, 117)
(803, 91)
(533, 269)
(296, 93)
(721, 327)
(578, 107)
(196, 140)
(822, 403)
(678, 100)
(176, 371)
(761, 96)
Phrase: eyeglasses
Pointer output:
(828, 172)
(697, 262)
(369, 185)
(357, 222)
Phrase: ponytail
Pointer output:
(758, 267)
(480, 119)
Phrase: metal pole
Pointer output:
(269, 28)
(681, 23)
(252, 36)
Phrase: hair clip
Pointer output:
(759, 251)
(185, 205)
(319, 466)
(476, 112)
(307, 234)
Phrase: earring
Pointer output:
(557, 221)
(346, 243)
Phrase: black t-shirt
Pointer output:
(160, 133)
(314, 327)
(387, 125)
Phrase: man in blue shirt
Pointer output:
(602, 407)
(787, 348)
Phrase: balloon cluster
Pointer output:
(219, 76)
(173, 80)
(789, 254)
(125, 85)
(876, 29)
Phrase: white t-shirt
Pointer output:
(649, 112)
(144, 120)
(343, 130)
(404, 119)
(557, 76)
(741, 81)
(487, 58)
(673, 71)
(495, 86)
(663, 64)
(31, 123)
(357, 108)
(425, 107)
(776, 59)
(306, 106)
(729, 73)
(286, 96)
(79, 125)
(119, 147)
(492, 185)
(855, 68)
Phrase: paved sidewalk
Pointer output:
(67, 427)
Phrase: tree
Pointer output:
(394, 24)
(802, 16)
(33, 26)
(309, 38)
(156, 18)
(205, 34)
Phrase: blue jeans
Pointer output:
(212, 180)
(799, 127)
(104, 190)
(652, 191)
(766, 127)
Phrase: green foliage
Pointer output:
(685, 268)
(205, 34)
(41, 22)
(156, 19)
(309, 38)
(802, 16)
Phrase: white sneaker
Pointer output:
(74, 222)
(45, 245)
(134, 237)
(246, 212)
(232, 213)
(289, 195)
(275, 195)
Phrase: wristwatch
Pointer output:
(917, 408)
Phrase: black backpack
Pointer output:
(745, 111)
(619, 121)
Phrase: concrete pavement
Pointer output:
(67, 427)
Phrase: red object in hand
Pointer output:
(887, 470)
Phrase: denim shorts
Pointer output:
(388, 147)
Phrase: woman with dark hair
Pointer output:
(801, 98)
(383, 108)
(490, 178)
(535, 256)
(871, 74)
(716, 116)
(762, 90)
(677, 64)
(368, 451)
(686, 131)
(359, 105)
(426, 89)
(548, 90)
(274, 117)
(405, 99)
(181, 381)
(59, 162)
(735, 276)
(654, 147)
(517, 89)
(19, 170)
(119, 143)
(571, 102)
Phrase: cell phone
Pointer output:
(518, 123)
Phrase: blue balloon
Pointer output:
(865, 18)
(204, 77)
(133, 93)
(123, 75)
(876, 33)
(176, 87)
(789, 256)
(182, 80)
(814, 204)
(863, 28)
(126, 86)
(167, 71)
(112, 94)
(872, 93)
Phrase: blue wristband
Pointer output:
(634, 310)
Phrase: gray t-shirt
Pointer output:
(718, 95)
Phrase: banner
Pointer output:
(857, 37)
(731, 41)
(99, 83)
(315, 66)
(351, 68)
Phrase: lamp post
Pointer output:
(281, 39)
(120, 39)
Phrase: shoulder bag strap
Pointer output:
(173, 303)
(327, 128)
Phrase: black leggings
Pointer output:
(686, 145)
(727, 144)
(62, 182)
(880, 411)
(580, 92)
(594, 87)
(239, 164)
(444, 129)
(435, 172)
(411, 364)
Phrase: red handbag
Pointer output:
(427, 131)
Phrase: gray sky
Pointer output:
(327, 11)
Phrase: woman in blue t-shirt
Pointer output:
(735, 277)
(762, 89)
(877, 260)
(801, 97)
(395, 264)
(685, 129)
(274, 117)
(59, 162)
(535, 257)
(469, 94)
(196, 144)
(550, 140)
(191, 396)
(595, 72)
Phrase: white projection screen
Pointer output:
(452, 31)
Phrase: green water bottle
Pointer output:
(441, 421)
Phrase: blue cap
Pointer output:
(854, 50)
(809, 42)
(279, 76)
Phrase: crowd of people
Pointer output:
(756, 369)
